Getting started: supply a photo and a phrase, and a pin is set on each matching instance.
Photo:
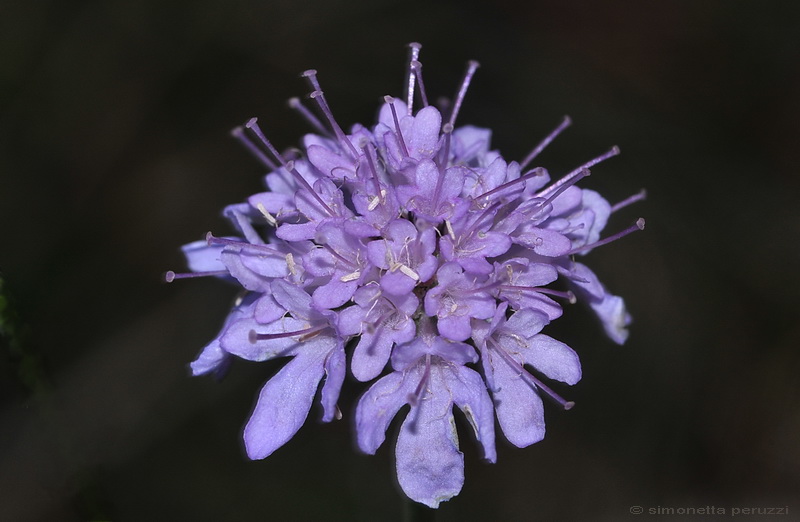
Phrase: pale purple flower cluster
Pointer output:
(418, 254)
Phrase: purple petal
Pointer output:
(335, 369)
(377, 407)
(519, 408)
(430, 468)
(469, 394)
(283, 405)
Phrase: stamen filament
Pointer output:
(414, 49)
(307, 115)
(639, 225)
(417, 68)
(529, 378)
(252, 125)
(472, 66)
(239, 134)
(613, 152)
(541, 290)
(254, 336)
(413, 398)
(538, 171)
(545, 142)
(564, 186)
(170, 276)
(641, 195)
(214, 240)
(390, 101)
(319, 97)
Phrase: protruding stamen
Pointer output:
(239, 134)
(531, 379)
(170, 276)
(367, 150)
(211, 239)
(305, 333)
(472, 66)
(639, 225)
(390, 101)
(583, 173)
(417, 68)
(569, 296)
(319, 97)
(413, 53)
(413, 398)
(545, 142)
(611, 153)
(538, 171)
(641, 195)
(307, 115)
(253, 127)
(447, 130)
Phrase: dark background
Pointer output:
(114, 151)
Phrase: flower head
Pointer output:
(417, 248)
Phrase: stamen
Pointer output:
(613, 152)
(350, 277)
(319, 97)
(447, 129)
(413, 398)
(252, 125)
(639, 225)
(297, 105)
(413, 52)
(641, 195)
(239, 134)
(340, 257)
(214, 240)
(377, 185)
(170, 276)
(290, 264)
(417, 68)
(545, 142)
(450, 231)
(538, 171)
(564, 186)
(269, 217)
(390, 101)
(254, 336)
(409, 272)
(569, 296)
(472, 66)
(531, 380)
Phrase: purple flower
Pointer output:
(417, 253)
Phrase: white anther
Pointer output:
(290, 264)
(409, 272)
(373, 203)
(450, 229)
(271, 220)
(350, 277)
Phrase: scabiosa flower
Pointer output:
(417, 253)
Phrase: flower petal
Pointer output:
(376, 409)
(283, 405)
(430, 468)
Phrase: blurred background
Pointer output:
(114, 151)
